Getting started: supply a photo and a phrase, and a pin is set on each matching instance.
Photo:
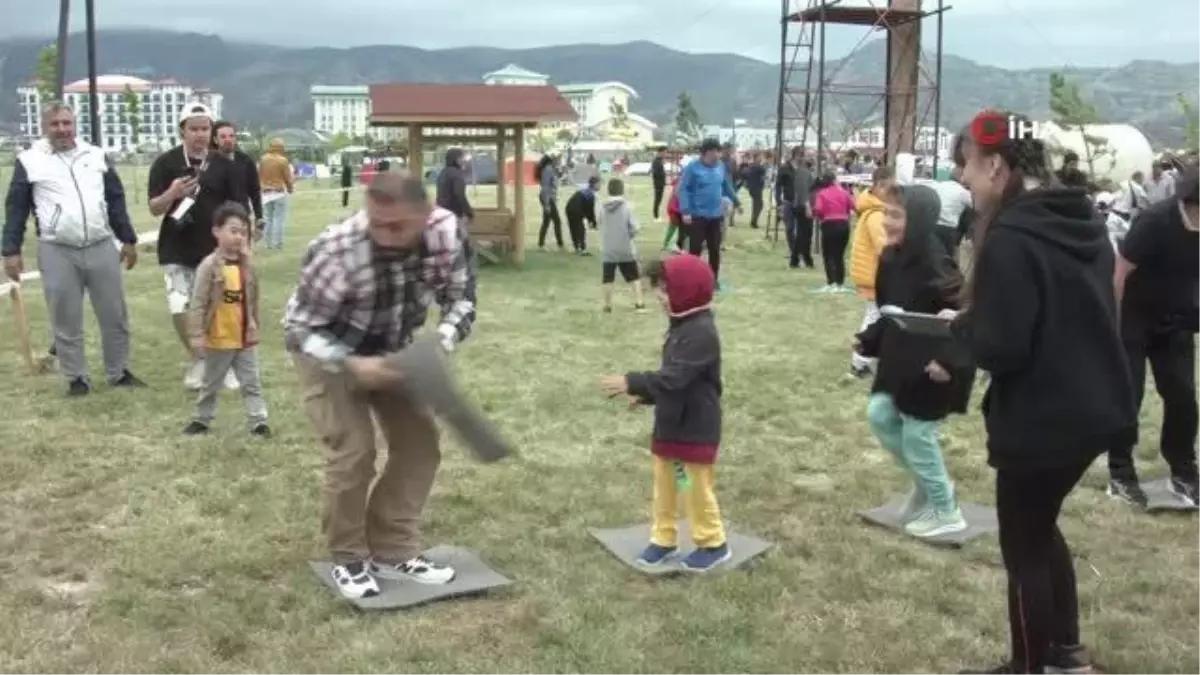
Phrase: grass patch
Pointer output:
(126, 547)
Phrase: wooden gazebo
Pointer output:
(475, 114)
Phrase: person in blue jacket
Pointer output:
(701, 188)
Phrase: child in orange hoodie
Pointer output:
(868, 244)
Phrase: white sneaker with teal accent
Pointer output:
(931, 523)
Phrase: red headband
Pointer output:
(989, 129)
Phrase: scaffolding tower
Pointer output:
(809, 84)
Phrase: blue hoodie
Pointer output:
(701, 189)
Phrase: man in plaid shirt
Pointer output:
(365, 289)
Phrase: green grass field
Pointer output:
(126, 547)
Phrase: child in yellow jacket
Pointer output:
(865, 248)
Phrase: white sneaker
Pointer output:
(419, 569)
(931, 524)
(231, 381)
(824, 289)
(914, 505)
(194, 379)
(354, 582)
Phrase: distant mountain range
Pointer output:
(268, 86)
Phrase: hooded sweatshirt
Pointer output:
(686, 389)
(868, 243)
(274, 169)
(1043, 322)
(918, 275)
(701, 188)
(452, 186)
(581, 206)
(617, 230)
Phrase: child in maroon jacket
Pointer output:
(686, 394)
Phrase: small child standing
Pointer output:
(223, 322)
(686, 394)
(920, 380)
(618, 227)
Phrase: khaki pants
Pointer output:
(358, 519)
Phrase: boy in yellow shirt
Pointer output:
(223, 322)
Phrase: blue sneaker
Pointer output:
(705, 559)
(655, 555)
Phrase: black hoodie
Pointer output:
(918, 275)
(1043, 322)
(452, 187)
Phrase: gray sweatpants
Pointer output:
(244, 362)
(66, 273)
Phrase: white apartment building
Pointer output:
(158, 117)
(346, 109)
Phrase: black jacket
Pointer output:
(581, 207)
(1043, 322)
(248, 174)
(452, 187)
(785, 184)
(754, 177)
(686, 390)
(658, 172)
(918, 275)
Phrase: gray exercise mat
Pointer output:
(981, 520)
(473, 577)
(428, 380)
(1160, 498)
(627, 543)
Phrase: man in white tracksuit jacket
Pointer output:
(78, 204)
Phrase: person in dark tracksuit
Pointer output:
(546, 174)
(1158, 276)
(1041, 318)
(347, 182)
(799, 192)
(580, 210)
(452, 196)
(754, 177)
(658, 176)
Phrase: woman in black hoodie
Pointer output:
(1040, 317)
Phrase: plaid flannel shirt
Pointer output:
(351, 301)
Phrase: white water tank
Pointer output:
(1126, 149)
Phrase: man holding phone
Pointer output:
(187, 184)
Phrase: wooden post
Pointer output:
(518, 233)
(416, 166)
(501, 188)
(903, 80)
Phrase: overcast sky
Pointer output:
(1009, 33)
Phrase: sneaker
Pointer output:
(419, 569)
(78, 387)
(1127, 490)
(128, 379)
(1184, 489)
(1006, 667)
(194, 379)
(354, 582)
(261, 430)
(655, 555)
(915, 504)
(640, 308)
(861, 372)
(1072, 660)
(827, 288)
(705, 559)
(608, 309)
(231, 381)
(931, 523)
(195, 428)
(585, 253)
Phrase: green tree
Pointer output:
(45, 73)
(564, 136)
(1072, 110)
(687, 120)
(340, 140)
(1191, 124)
(131, 115)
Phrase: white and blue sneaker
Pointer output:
(706, 559)
(655, 555)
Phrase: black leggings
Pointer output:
(659, 188)
(550, 215)
(706, 232)
(835, 235)
(1043, 608)
(578, 232)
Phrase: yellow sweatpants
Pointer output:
(700, 505)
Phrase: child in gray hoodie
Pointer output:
(618, 228)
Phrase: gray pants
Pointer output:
(244, 362)
(66, 273)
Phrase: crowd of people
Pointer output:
(1060, 316)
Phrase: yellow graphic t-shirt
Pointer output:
(228, 327)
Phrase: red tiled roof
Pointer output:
(467, 104)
